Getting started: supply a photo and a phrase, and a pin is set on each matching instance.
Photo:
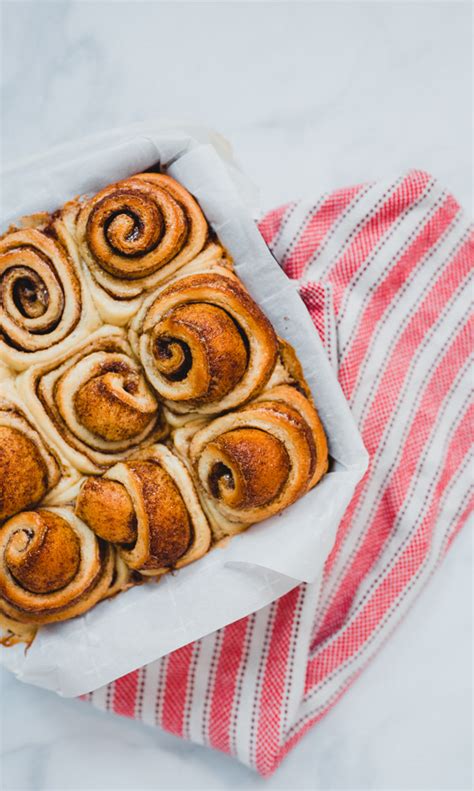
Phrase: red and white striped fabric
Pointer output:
(383, 269)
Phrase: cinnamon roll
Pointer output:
(52, 567)
(133, 235)
(94, 404)
(204, 343)
(13, 631)
(253, 463)
(28, 467)
(79, 397)
(149, 509)
(44, 307)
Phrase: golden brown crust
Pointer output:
(155, 505)
(253, 467)
(28, 470)
(205, 344)
(42, 297)
(52, 567)
(23, 474)
(108, 510)
(253, 463)
(108, 407)
(136, 226)
(95, 404)
(201, 353)
(135, 234)
(291, 396)
(203, 336)
(44, 553)
(166, 513)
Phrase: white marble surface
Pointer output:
(313, 96)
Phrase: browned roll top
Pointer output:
(168, 521)
(107, 405)
(198, 356)
(149, 508)
(106, 507)
(44, 553)
(28, 470)
(138, 225)
(205, 337)
(96, 401)
(204, 343)
(256, 461)
(252, 469)
(52, 567)
(23, 474)
(41, 296)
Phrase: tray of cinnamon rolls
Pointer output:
(161, 402)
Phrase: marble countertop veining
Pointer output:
(313, 95)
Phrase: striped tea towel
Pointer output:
(383, 269)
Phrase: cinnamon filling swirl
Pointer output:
(204, 343)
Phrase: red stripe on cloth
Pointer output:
(383, 295)
(176, 687)
(224, 691)
(306, 725)
(270, 224)
(349, 641)
(274, 682)
(317, 228)
(403, 197)
(396, 489)
(314, 297)
(392, 380)
(125, 694)
(392, 572)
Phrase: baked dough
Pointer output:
(147, 407)
(204, 343)
(52, 567)
(94, 403)
(149, 508)
(45, 308)
(134, 234)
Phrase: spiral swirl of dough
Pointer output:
(199, 365)
(134, 234)
(95, 404)
(28, 468)
(204, 343)
(253, 463)
(149, 508)
(44, 309)
(52, 567)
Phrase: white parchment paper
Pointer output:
(260, 565)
